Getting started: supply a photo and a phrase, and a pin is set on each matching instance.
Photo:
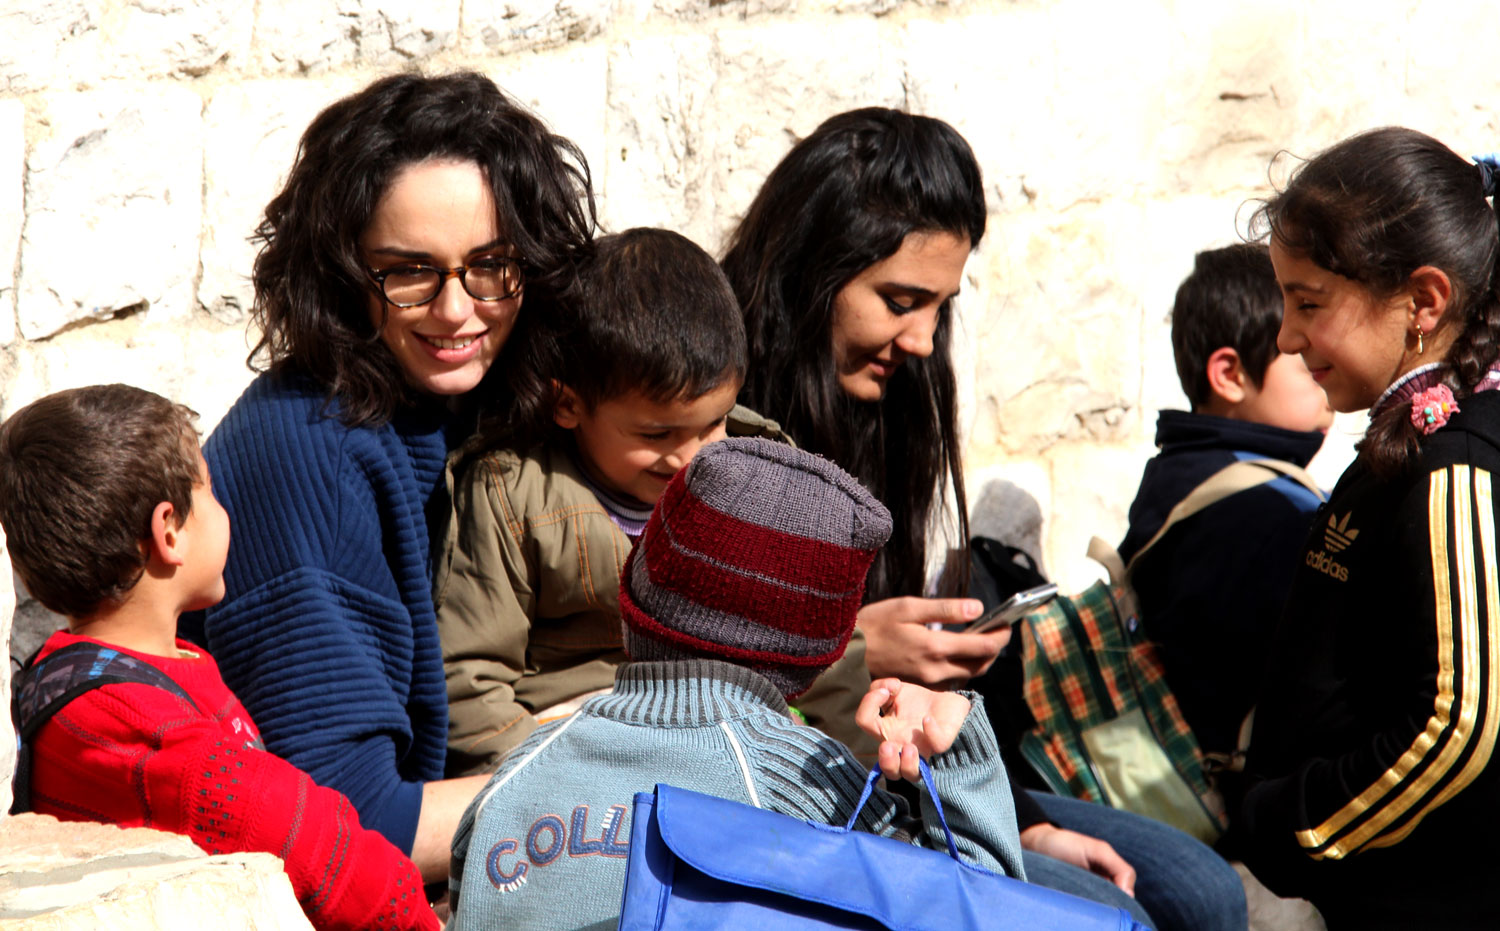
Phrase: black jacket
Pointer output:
(1212, 590)
(1370, 789)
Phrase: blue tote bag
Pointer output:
(699, 861)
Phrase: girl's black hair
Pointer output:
(843, 199)
(1374, 209)
(312, 291)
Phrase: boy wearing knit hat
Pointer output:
(742, 589)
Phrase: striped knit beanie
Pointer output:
(756, 554)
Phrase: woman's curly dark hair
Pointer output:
(311, 289)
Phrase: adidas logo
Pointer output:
(1337, 534)
(1325, 564)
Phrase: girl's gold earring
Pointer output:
(1419, 339)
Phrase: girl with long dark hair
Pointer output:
(1371, 768)
(846, 267)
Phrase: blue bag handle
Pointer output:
(931, 790)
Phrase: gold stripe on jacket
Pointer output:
(1465, 494)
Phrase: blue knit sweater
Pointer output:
(544, 845)
(326, 632)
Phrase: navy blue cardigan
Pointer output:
(327, 632)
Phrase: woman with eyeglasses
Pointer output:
(420, 216)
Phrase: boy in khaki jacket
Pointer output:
(528, 601)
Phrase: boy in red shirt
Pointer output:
(111, 521)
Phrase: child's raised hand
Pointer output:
(911, 722)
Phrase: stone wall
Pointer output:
(138, 141)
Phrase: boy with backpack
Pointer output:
(1212, 589)
(111, 521)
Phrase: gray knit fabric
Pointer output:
(672, 602)
(790, 490)
(708, 726)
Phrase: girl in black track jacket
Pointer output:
(1369, 784)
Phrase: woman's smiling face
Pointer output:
(889, 312)
(439, 213)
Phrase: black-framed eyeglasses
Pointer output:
(492, 278)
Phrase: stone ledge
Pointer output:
(76, 875)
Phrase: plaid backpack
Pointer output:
(1108, 729)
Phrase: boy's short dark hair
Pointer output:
(80, 473)
(655, 315)
(1231, 299)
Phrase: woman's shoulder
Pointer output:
(285, 420)
(278, 408)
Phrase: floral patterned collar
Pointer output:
(1423, 381)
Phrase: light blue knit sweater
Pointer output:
(544, 845)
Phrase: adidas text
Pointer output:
(1325, 564)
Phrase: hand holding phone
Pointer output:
(1013, 609)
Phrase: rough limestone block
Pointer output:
(41, 43)
(1052, 121)
(1173, 231)
(657, 171)
(1452, 94)
(996, 102)
(775, 84)
(202, 366)
(515, 25)
(62, 876)
(12, 165)
(81, 42)
(1093, 487)
(1339, 44)
(7, 730)
(113, 199)
(148, 38)
(968, 310)
(1232, 114)
(870, 7)
(566, 88)
(31, 624)
(695, 10)
(21, 377)
(251, 136)
(1062, 332)
(309, 37)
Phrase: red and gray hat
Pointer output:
(756, 554)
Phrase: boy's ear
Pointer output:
(1430, 291)
(164, 538)
(568, 410)
(1226, 375)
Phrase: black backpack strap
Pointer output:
(997, 571)
(43, 688)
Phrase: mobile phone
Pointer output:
(1013, 609)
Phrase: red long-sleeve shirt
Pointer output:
(138, 755)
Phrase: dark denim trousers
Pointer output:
(1180, 884)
